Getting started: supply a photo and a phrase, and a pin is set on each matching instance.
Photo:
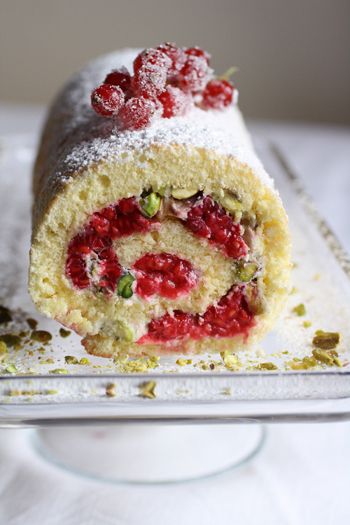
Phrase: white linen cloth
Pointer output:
(302, 476)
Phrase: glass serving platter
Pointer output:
(48, 391)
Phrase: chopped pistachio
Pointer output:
(5, 316)
(227, 392)
(230, 203)
(183, 193)
(189, 361)
(124, 286)
(154, 358)
(58, 371)
(267, 366)
(10, 340)
(337, 362)
(32, 323)
(11, 369)
(64, 333)
(323, 357)
(122, 358)
(14, 393)
(307, 324)
(3, 347)
(246, 271)
(296, 359)
(47, 362)
(71, 360)
(300, 309)
(310, 362)
(326, 340)
(205, 367)
(150, 205)
(110, 390)
(298, 366)
(41, 336)
(147, 389)
(230, 360)
(161, 191)
(84, 361)
(124, 332)
(181, 362)
(51, 392)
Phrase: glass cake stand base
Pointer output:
(150, 453)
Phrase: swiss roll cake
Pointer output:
(156, 229)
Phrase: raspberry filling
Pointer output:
(91, 257)
(164, 274)
(209, 220)
(230, 317)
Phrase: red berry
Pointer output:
(217, 94)
(121, 78)
(198, 52)
(175, 102)
(107, 100)
(151, 70)
(194, 74)
(177, 57)
(137, 113)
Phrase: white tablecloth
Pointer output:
(302, 476)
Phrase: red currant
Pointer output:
(151, 69)
(217, 94)
(175, 102)
(137, 113)
(193, 75)
(177, 57)
(198, 52)
(121, 78)
(107, 100)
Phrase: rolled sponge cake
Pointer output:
(209, 271)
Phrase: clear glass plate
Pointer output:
(101, 392)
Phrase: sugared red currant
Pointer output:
(194, 74)
(137, 113)
(121, 78)
(198, 52)
(217, 94)
(107, 100)
(151, 72)
(177, 57)
(175, 102)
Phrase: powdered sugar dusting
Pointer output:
(77, 138)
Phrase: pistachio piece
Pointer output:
(230, 202)
(5, 316)
(64, 333)
(183, 193)
(246, 271)
(300, 310)
(307, 324)
(3, 347)
(310, 362)
(181, 362)
(111, 390)
(124, 332)
(58, 371)
(267, 366)
(11, 369)
(41, 336)
(150, 204)
(32, 323)
(84, 361)
(337, 362)
(10, 340)
(254, 299)
(71, 360)
(124, 286)
(323, 357)
(147, 389)
(326, 340)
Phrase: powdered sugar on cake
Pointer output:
(80, 139)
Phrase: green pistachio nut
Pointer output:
(71, 360)
(230, 203)
(11, 369)
(124, 332)
(246, 271)
(300, 310)
(150, 205)
(183, 193)
(326, 340)
(124, 286)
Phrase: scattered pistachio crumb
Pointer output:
(322, 356)
(14, 393)
(337, 362)
(58, 371)
(110, 390)
(84, 361)
(205, 367)
(70, 359)
(326, 340)
(300, 309)
(64, 333)
(51, 392)
(267, 366)
(3, 347)
(41, 336)
(47, 362)
(227, 392)
(122, 358)
(147, 389)
(307, 324)
(11, 369)
(181, 362)
(189, 361)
